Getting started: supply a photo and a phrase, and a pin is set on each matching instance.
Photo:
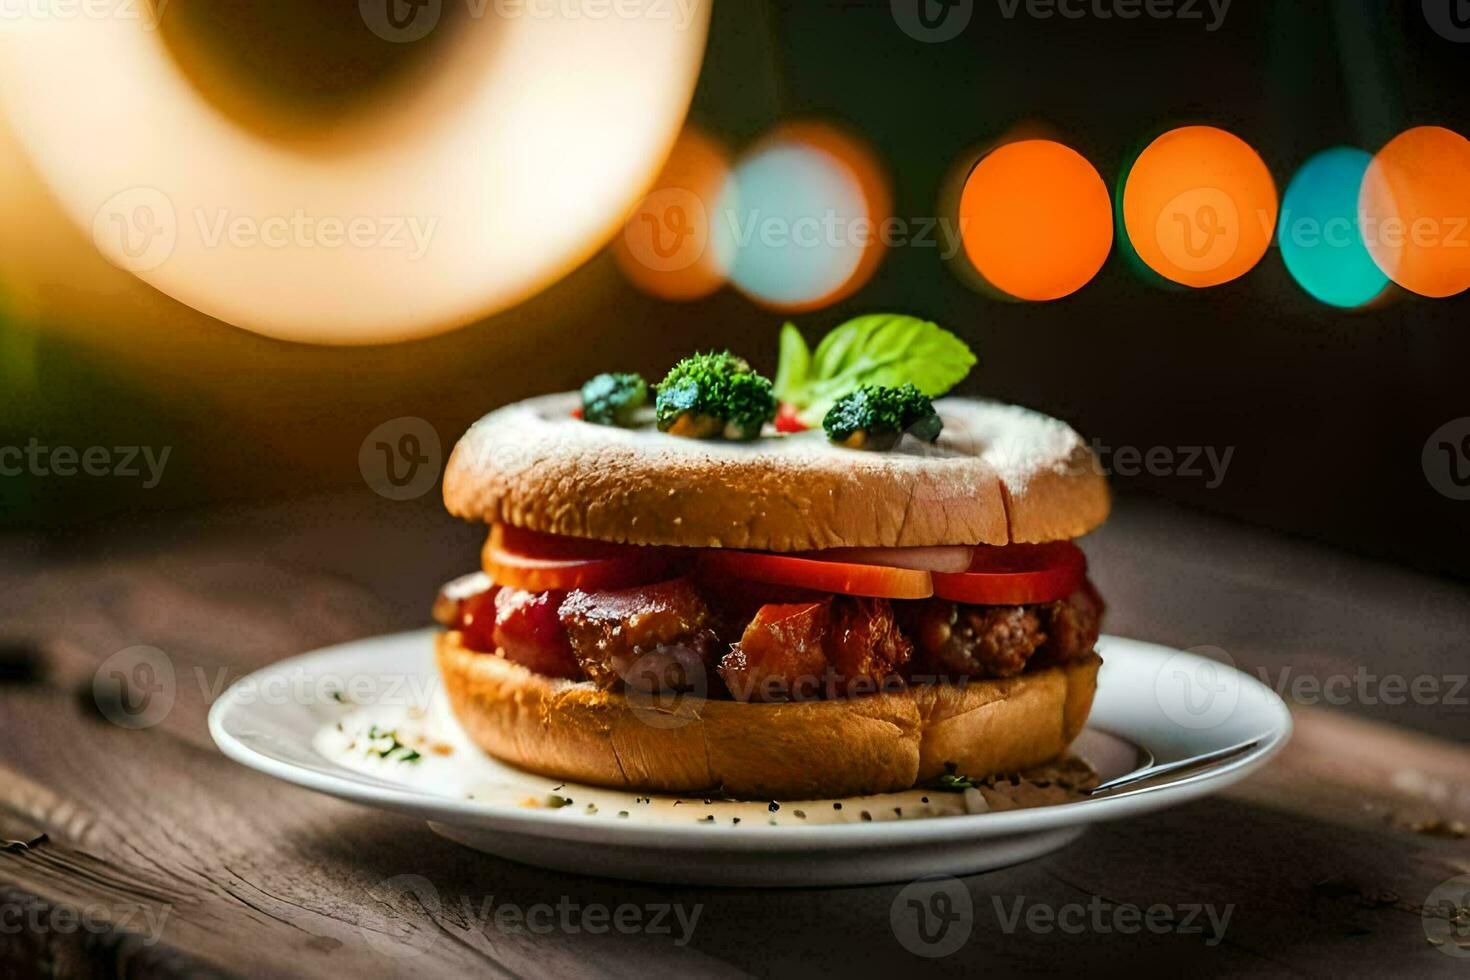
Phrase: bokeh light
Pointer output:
(1199, 206)
(1036, 220)
(450, 200)
(800, 223)
(1415, 210)
(665, 245)
(1321, 240)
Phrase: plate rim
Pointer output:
(480, 814)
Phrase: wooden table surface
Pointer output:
(161, 857)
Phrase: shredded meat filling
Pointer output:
(789, 644)
(654, 637)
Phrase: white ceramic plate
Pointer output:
(323, 720)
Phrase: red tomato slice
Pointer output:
(1016, 575)
(848, 578)
(521, 559)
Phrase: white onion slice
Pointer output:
(943, 558)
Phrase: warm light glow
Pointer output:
(1199, 206)
(1036, 220)
(665, 245)
(1321, 241)
(800, 224)
(475, 190)
(1415, 211)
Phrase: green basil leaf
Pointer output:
(886, 349)
(791, 370)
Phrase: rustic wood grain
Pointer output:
(1326, 858)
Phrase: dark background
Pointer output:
(1327, 410)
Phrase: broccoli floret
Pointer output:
(874, 417)
(613, 399)
(714, 395)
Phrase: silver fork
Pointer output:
(1151, 769)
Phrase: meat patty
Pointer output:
(527, 631)
(838, 645)
(1000, 641)
(1072, 626)
(865, 643)
(653, 637)
(973, 641)
(782, 655)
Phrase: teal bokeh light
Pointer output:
(1321, 240)
(790, 225)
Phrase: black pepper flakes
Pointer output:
(773, 806)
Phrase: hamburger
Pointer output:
(825, 586)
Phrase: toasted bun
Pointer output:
(998, 474)
(876, 743)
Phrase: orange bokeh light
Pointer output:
(1199, 206)
(1036, 220)
(1414, 208)
(665, 247)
